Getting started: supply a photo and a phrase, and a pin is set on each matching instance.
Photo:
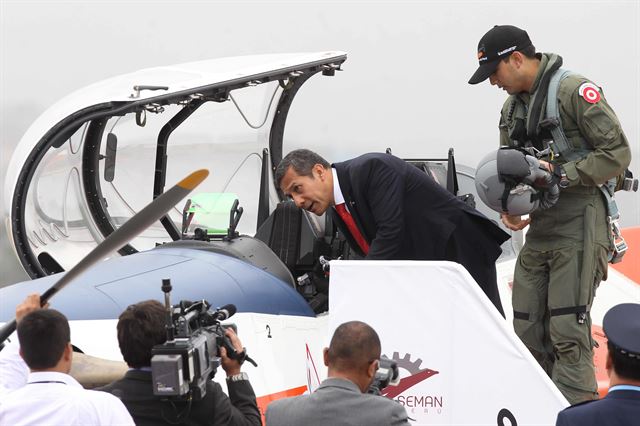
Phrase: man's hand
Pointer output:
(30, 304)
(515, 223)
(231, 366)
(546, 165)
(545, 177)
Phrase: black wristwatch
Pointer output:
(561, 174)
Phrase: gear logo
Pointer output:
(416, 376)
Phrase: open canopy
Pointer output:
(96, 157)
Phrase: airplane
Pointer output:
(93, 160)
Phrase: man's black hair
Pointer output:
(353, 346)
(625, 366)
(528, 52)
(43, 335)
(140, 327)
(301, 161)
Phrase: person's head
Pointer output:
(306, 177)
(621, 324)
(140, 327)
(353, 353)
(45, 338)
(507, 58)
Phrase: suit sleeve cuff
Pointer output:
(238, 377)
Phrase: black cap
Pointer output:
(621, 324)
(498, 43)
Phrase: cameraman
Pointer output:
(352, 358)
(142, 326)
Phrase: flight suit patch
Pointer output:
(589, 92)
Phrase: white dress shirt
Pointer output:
(338, 198)
(13, 370)
(51, 398)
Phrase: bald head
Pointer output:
(353, 347)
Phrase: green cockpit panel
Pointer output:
(211, 210)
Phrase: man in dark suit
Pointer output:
(352, 358)
(142, 326)
(621, 406)
(389, 209)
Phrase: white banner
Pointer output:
(460, 362)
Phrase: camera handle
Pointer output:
(166, 289)
(232, 353)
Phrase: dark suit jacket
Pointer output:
(618, 408)
(405, 214)
(337, 402)
(136, 393)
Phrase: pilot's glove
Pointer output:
(544, 181)
(540, 176)
(549, 196)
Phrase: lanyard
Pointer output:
(624, 387)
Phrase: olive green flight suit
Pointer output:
(565, 254)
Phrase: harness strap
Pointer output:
(534, 113)
(505, 197)
(562, 147)
(521, 315)
(582, 309)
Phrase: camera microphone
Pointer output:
(227, 311)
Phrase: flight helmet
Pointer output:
(505, 181)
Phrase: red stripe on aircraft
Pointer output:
(265, 400)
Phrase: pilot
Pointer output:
(389, 209)
(621, 406)
(48, 394)
(342, 399)
(567, 246)
(142, 326)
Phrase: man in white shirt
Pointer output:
(50, 396)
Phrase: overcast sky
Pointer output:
(404, 84)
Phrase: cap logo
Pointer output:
(481, 56)
(507, 50)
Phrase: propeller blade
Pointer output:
(132, 227)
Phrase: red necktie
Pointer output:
(351, 225)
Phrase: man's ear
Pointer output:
(371, 370)
(609, 363)
(319, 170)
(68, 352)
(325, 355)
(517, 59)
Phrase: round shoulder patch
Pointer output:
(590, 92)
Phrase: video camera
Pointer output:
(386, 374)
(181, 367)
